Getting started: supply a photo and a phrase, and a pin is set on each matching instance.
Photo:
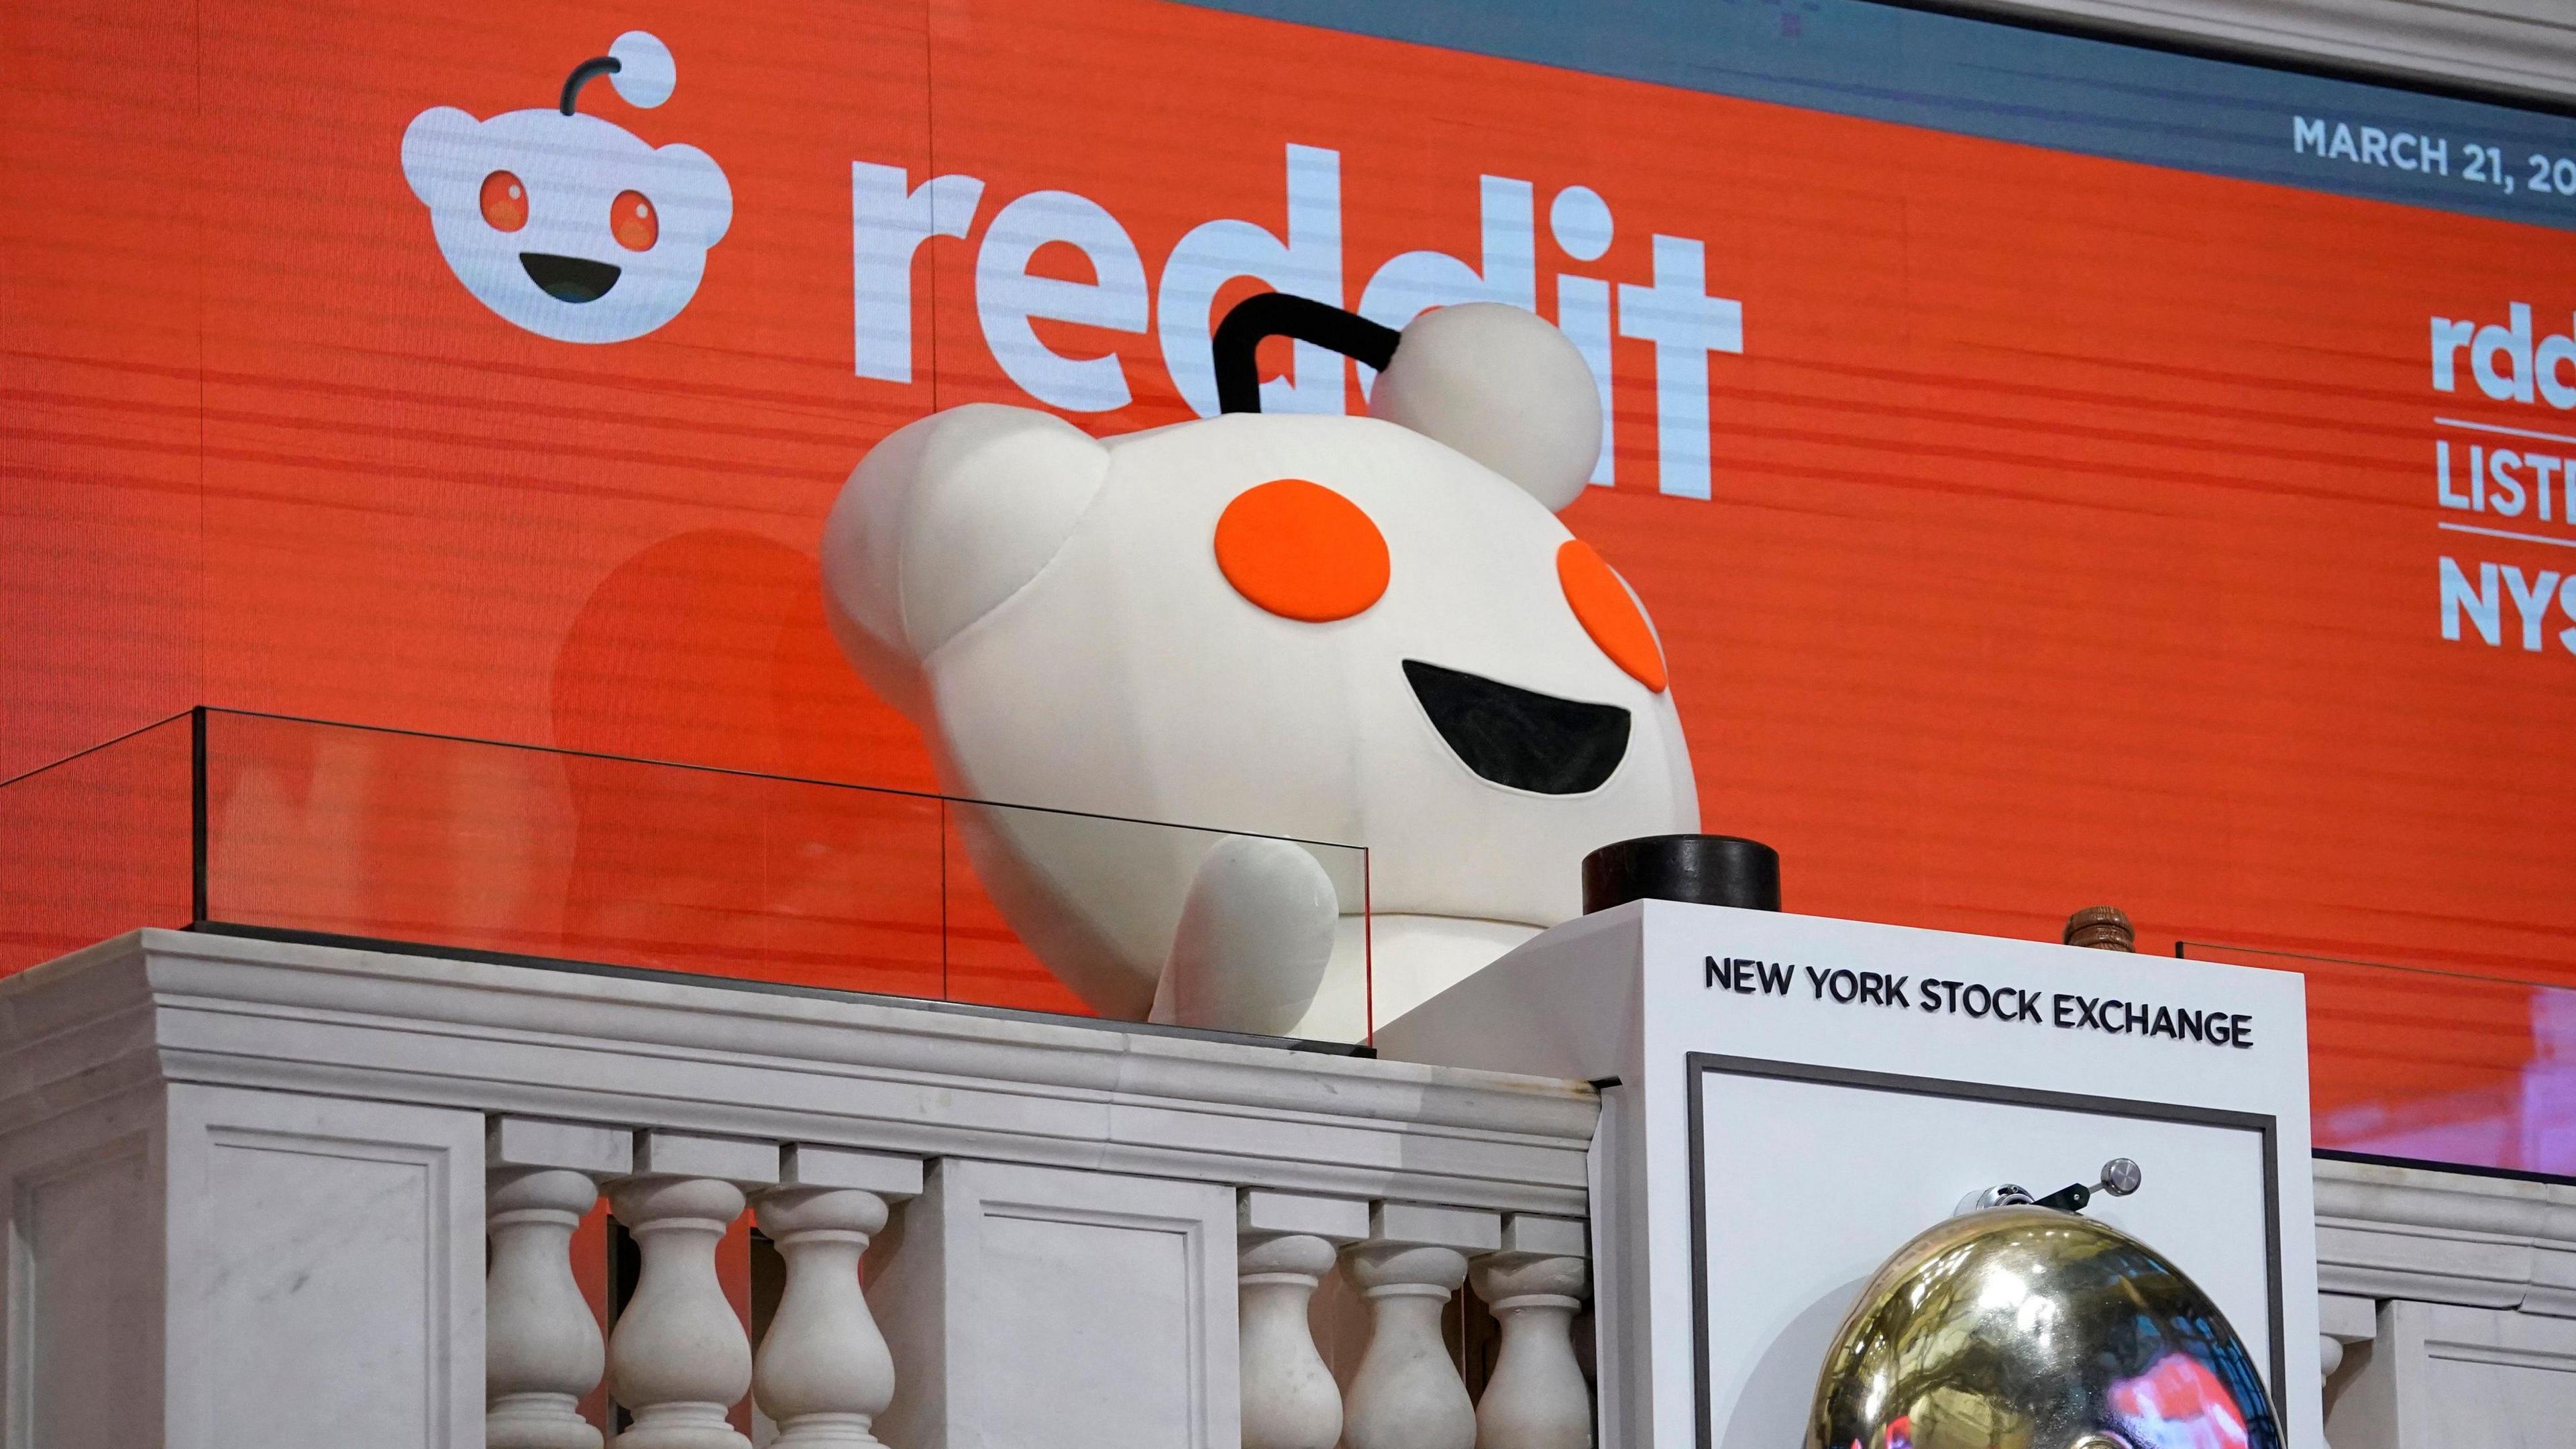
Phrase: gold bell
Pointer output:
(2025, 1327)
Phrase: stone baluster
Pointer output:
(1407, 1393)
(2343, 1320)
(2329, 1359)
(541, 1345)
(678, 1357)
(823, 1373)
(1537, 1398)
(1284, 1245)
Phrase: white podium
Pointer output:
(1787, 1099)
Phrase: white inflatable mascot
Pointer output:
(1369, 630)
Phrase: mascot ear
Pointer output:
(437, 154)
(1502, 386)
(942, 522)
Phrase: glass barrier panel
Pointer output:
(96, 845)
(2441, 1067)
(381, 835)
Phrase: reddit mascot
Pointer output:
(1369, 630)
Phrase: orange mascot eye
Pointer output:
(1301, 551)
(1608, 614)
(631, 220)
(505, 201)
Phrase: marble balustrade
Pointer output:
(286, 1194)
(678, 1358)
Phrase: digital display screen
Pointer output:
(2058, 471)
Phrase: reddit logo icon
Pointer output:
(566, 224)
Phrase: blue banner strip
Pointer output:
(2012, 83)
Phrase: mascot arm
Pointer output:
(1255, 934)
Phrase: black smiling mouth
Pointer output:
(1520, 738)
(569, 279)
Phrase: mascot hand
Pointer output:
(1254, 937)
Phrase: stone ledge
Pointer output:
(2445, 1237)
(718, 1060)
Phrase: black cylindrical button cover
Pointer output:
(1707, 870)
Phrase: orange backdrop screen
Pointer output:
(2054, 525)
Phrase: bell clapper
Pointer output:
(2120, 1177)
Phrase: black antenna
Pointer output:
(583, 74)
(1277, 314)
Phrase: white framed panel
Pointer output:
(81, 1340)
(1785, 1247)
(326, 1273)
(1079, 1310)
(2438, 1376)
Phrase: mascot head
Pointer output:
(1371, 630)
